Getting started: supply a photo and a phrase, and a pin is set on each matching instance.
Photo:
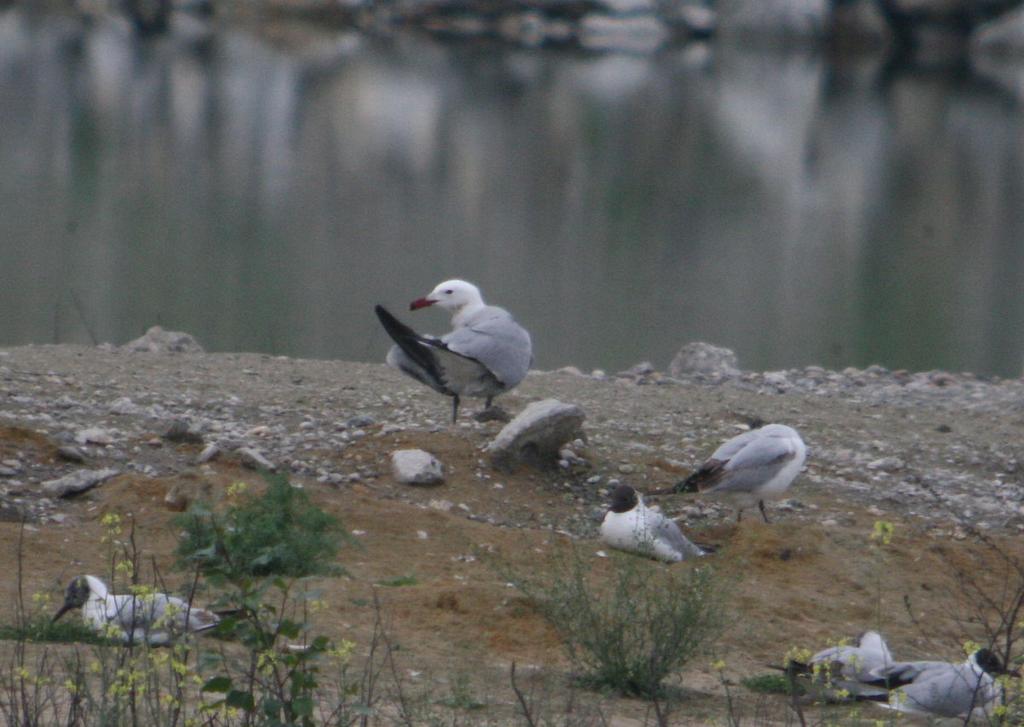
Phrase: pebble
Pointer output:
(886, 464)
(254, 459)
(94, 435)
(210, 452)
(77, 482)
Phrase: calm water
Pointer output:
(794, 210)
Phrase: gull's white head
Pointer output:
(453, 295)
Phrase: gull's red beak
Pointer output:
(421, 303)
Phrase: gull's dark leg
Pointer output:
(739, 514)
(760, 504)
(487, 403)
(455, 408)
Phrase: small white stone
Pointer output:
(210, 451)
(416, 467)
(254, 459)
(94, 435)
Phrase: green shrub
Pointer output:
(42, 629)
(632, 630)
(770, 684)
(278, 533)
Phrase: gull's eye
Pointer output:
(448, 292)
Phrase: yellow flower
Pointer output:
(237, 488)
(342, 651)
(718, 665)
(799, 654)
(882, 533)
(970, 647)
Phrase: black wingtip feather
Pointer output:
(691, 483)
(411, 344)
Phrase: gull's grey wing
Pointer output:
(756, 463)
(953, 691)
(728, 449)
(493, 338)
(872, 644)
(669, 530)
(712, 471)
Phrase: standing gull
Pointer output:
(751, 467)
(486, 354)
(156, 618)
(629, 525)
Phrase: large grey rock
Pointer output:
(704, 358)
(157, 340)
(537, 434)
(416, 467)
(77, 482)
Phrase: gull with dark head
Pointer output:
(486, 353)
(942, 689)
(154, 618)
(631, 526)
(751, 467)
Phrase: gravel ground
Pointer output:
(933, 446)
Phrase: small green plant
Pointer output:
(279, 533)
(399, 581)
(771, 684)
(42, 629)
(259, 553)
(632, 630)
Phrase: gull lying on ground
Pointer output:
(751, 467)
(941, 689)
(486, 354)
(155, 618)
(849, 669)
(629, 525)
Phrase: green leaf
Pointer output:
(217, 684)
(302, 707)
(240, 700)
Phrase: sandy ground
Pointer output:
(812, 575)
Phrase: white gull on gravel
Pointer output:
(631, 526)
(486, 353)
(751, 467)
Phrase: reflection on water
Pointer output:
(264, 200)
